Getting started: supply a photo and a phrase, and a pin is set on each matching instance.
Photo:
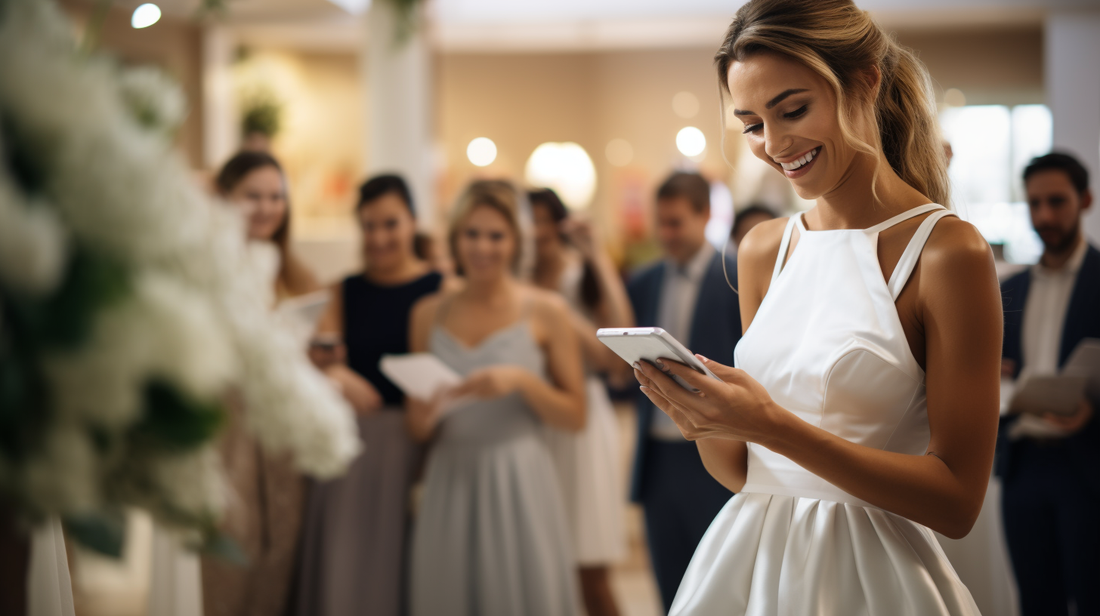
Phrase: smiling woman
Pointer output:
(863, 408)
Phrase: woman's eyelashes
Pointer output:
(797, 113)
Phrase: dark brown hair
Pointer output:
(547, 198)
(690, 186)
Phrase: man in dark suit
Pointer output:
(1050, 465)
(686, 294)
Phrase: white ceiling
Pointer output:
(554, 25)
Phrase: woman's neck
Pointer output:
(407, 270)
(852, 204)
(549, 266)
(490, 291)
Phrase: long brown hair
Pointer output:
(294, 278)
(840, 42)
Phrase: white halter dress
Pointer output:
(828, 346)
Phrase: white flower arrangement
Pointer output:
(130, 307)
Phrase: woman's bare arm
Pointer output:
(726, 460)
(421, 416)
(560, 402)
(961, 313)
(329, 354)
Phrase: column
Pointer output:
(221, 130)
(399, 129)
(1072, 55)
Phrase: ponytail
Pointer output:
(841, 43)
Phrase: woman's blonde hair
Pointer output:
(841, 43)
(504, 198)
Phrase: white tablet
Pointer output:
(635, 344)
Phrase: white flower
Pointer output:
(63, 476)
(155, 100)
(198, 316)
(194, 483)
(33, 244)
(164, 330)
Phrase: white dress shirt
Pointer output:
(1041, 334)
(679, 293)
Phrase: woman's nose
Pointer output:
(776, 143)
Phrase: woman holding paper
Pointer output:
(354, 541)
(491, 537)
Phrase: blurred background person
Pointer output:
(686, 294)
(569, 261)
(1050, 465)
(491, 536)
(748, 218)
(265, 512)
(356, 528)
(434, 253)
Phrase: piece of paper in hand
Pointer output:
(1085, 362)
(419, 375)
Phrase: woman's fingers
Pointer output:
(668, 387)
(728, 374)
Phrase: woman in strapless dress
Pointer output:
(863, 408)
(491, 536)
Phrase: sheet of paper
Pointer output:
(419, 375)
(306, 308)
(1085, 362)
(1060, 395)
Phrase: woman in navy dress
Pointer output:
(353, 556)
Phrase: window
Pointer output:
(992, 144)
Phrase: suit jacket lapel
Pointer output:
(1077, 313)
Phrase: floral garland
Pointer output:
(131, 308)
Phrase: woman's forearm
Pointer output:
(922, 488)
(556, 407)
(726, 461)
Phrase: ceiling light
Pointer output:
(482, 151)
(145, 16)
(690, 141)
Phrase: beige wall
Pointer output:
(174, 45)
(522, 100)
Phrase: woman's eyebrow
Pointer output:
(773, 102)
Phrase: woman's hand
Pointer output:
(422, 416)
(581, 236)
(736, 408)
(492, 382)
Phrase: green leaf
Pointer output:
(224, 547)
(103, 532)
(176, 421)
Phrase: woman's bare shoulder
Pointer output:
(760, 247)
(954, 243)
(545, 304)
(426, 307)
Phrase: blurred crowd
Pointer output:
(504, 495)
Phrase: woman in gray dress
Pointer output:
(491, 537)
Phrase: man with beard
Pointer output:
(1050, 465)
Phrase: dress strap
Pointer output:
(906, 215)
(784, 245)
(908, 261)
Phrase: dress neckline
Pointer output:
(484, 342)
(878, 228)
